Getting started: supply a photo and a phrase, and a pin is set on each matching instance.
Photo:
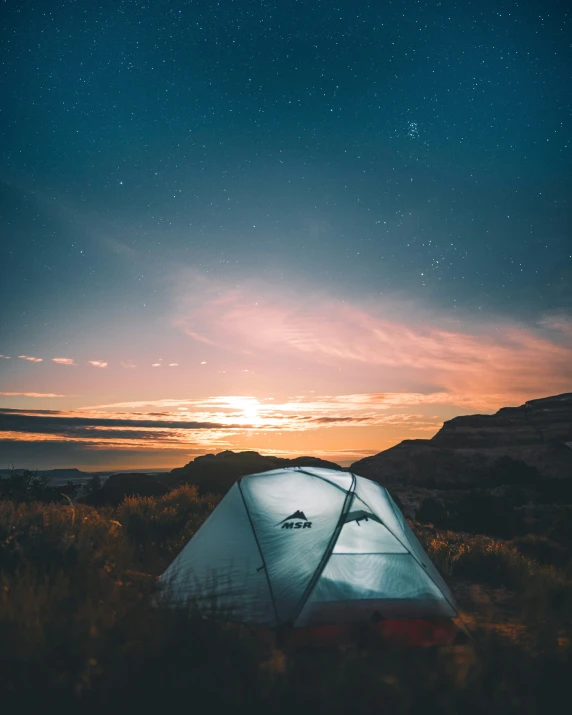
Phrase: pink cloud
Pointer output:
(98, 363)
(31, 359)
(31, 394)
(498, 358)
(64, 361)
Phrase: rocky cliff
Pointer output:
(467, 449)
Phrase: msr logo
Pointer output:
(297, 520)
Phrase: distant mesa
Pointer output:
(463, 452)
(218, 472)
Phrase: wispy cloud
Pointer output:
(472, 357)
(30, 420)
(31, 394)
(128, 364)
(30, 358)
(6, 357)
(64, 361)
(301, 414)
(97, 363)
(111, 432)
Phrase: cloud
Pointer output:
(6, 357)
(222, 417)
(30, 421)
(173, 364)
(128, 364)
(156, 364)
(64, 361)
(31, 359)
(98, 363)
(32, 394)
(123, 432)
(300, 414)
(467, 358)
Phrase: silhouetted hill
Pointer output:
(217, 472)
(466, 450)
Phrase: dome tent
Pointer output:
(305, 547)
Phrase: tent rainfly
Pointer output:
(306, 547)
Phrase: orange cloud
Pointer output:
(31, 359)
(64, 361)
(251, 414)
(98, 363)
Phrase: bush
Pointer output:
(484, 513)
(561, 529)
(27, 486)
(542, 549)
(478, 558)
(159, 528)
(542, 592)
(432, 511)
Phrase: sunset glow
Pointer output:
(273, 229)
(297, 371)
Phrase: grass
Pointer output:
(541, 593)
(77, 629)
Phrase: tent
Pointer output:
(305, 548)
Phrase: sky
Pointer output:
(294, 227)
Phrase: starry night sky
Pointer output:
(312, 204)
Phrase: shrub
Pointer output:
(27, 486)
(543, 593)
(484, 513)
(159, 528)
(541, 549)
(432, 511)
(476, 557)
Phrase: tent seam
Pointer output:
(417, 561)
(329, 549)
(370, 553)
(259, 551)
(317, 476)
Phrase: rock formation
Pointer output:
(466, 450)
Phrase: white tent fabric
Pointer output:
(307, 546)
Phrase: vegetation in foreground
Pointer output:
(77, 628)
